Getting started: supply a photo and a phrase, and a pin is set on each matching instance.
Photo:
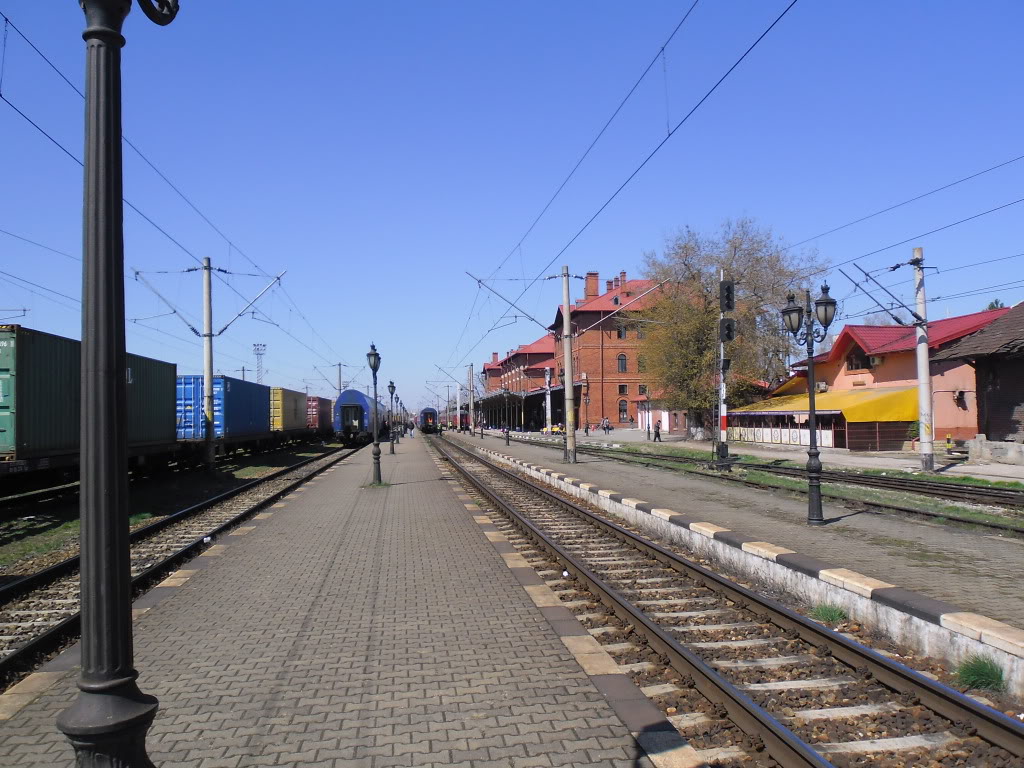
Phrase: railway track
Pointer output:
(1003, 497)
(39, 612)
(746, 680)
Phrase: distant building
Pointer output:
(606, 365)
(996, 353)
(866, 396)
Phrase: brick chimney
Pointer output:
(494, 357)
(590, 291)
(622, 278)
(607, 285)
(615, 283)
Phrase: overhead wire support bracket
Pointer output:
(511, 304)
(174, 310)
(896, 318)
(257, 298)
(920, 320)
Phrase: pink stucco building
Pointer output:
(867, 391)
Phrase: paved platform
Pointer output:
(977, 572)
(831, 458)
(352, 626)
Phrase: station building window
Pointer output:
(643, 389)
(623, 411)
(623, 389)
(621, 332)
(622, 364)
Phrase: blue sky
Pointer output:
(377, 151)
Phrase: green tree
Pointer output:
(995, 304)
(681, 343)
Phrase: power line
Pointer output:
(907, 202)
(40, 245)
(650, 156)
(174, 187)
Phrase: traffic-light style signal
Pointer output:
(726, 329)
(727, 295)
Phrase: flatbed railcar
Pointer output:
(40, 412)
(40, 407)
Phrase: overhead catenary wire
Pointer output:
(647, 159)
(174, 187)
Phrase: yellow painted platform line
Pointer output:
(214, 551)
(263, 515)
(21, 694)
(276, 506)
(177, 578)
(243, 530)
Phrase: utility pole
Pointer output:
(924, 381)
(243, 373)
(570, 413)
(726, 303)
(472, 413)
(339, 379)
(209, 449)
(448, 404)
(547, 399)
(458, 408)
(259, 350)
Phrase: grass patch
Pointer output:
(980, 672)
(827, 613)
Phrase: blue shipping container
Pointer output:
(240, 408)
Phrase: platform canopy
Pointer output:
(857, 405)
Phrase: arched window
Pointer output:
(622, 364)
(621, 332)
(623, 411)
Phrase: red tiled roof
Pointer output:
(883, 339)
(492, 366)
(626, 293)
(545, 345)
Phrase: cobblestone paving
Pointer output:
(355, 627)
(978, 572)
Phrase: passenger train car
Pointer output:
(353, 418)
(427, 421)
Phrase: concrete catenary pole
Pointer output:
(570, 412)
(472, 413)
(924, 380)
(547, 399)
(209, 448)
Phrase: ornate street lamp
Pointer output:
(648, 393)
(800, 322)
(586, 411)
(373, 360)
(396, 431)
(391, 417)
(108, 720)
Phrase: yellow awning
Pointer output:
(883, 404)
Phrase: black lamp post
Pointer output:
(800, 322)
(391, 417)
(586, 411)
(395, 417)
(648, 393)
(108, 720)
(373, 360)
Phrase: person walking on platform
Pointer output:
(657, 431)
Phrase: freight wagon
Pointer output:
(287, 410)
(40, 403)
(318, 415)
(241, 409)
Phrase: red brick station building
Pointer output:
(609, 376)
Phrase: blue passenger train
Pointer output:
(353, 418)
(427, 421)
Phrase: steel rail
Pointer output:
(69, 627)
(989, 724)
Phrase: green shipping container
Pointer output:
(40, 394)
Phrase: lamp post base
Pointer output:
(108, 730)
(376, 464)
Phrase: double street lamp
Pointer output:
(373, 360)
(800, 322)
(108, 720)
(391, 417)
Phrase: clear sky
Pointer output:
(378, 151)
